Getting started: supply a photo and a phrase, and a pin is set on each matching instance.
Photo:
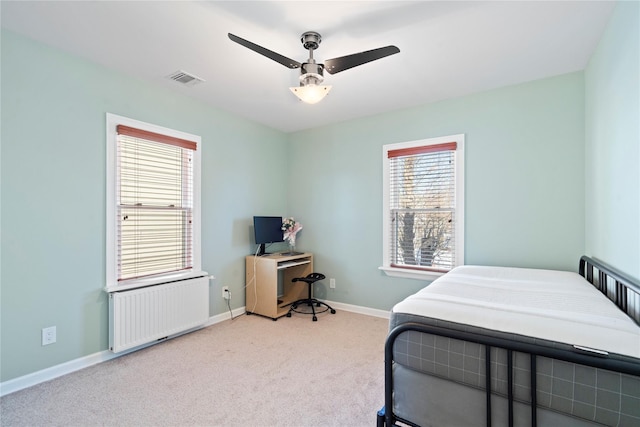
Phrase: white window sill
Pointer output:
(155, 280)
(410, 274)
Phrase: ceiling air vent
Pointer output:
(185, 78)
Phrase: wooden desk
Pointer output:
(262, 287)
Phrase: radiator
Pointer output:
(145, 315)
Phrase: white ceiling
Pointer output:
(447, 48)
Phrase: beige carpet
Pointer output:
(250, 371)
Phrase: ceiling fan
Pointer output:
(310, 90)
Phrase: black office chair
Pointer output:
(311, 302)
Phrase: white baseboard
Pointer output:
(48, 374)
(374, 312)
(224, 316)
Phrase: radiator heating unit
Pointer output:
(144, 315)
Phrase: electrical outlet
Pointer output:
(226, 294)
(48, 335)
(332, 283)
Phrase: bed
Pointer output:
(501, 346)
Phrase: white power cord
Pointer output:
(253, 280)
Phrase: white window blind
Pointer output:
(422, 207)
(155, 201)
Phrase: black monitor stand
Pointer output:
(262, 250)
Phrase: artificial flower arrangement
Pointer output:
(291, 228)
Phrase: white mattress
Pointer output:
(553, 305)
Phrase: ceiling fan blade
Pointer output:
(287, 62)
(342, 63)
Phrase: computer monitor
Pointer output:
(267, 229)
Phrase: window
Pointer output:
(152, 203)
(423, 198)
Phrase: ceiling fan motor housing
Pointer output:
(311, 73)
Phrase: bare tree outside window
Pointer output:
(424, 210)
(423, 202)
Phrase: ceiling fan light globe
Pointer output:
(311, 94)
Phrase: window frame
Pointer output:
(410, 273)
(112, 283)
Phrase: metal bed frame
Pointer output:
(617, 286)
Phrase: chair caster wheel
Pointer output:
(288, 314)
(318, 304)
(333, 311)
(315, 319)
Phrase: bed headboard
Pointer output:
(623, 290)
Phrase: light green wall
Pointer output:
(524, 184)
(53, 195)
(613, 143)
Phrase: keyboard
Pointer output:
(285, 264)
